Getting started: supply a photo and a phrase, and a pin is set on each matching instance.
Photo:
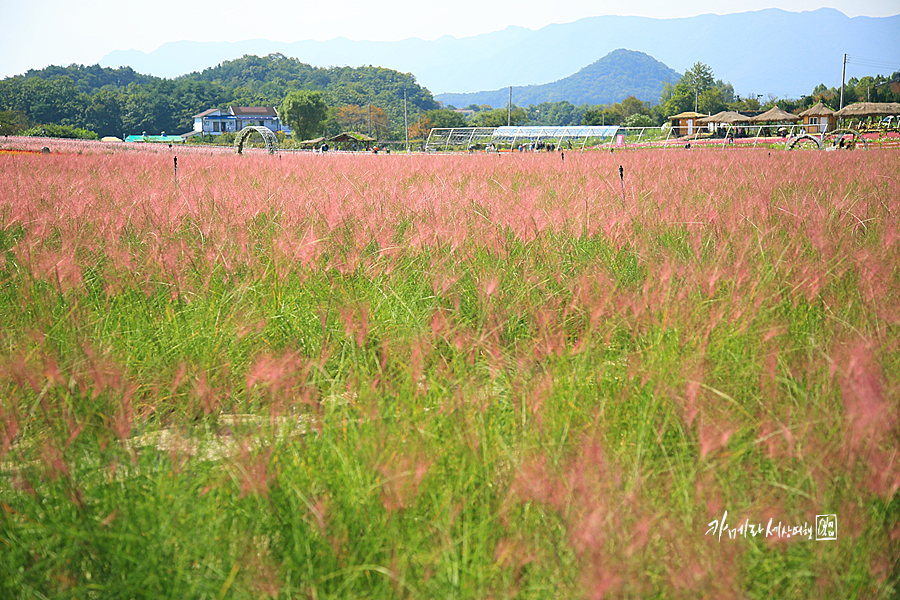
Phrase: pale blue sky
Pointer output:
(36, 33)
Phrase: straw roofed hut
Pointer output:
(818, 119)
(869, 109)
(685, 123)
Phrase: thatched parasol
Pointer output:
(351, 136)
(712, 118)
(687, 115)
(819, 110)
(869, 109)
(730, 117)
(774, 115)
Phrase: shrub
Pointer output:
(60, 131)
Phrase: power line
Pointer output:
(869, 62)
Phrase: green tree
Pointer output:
(632, 106)
(699, 78)
(104, 113)
(681, 100)
(685, 95)
(600, 115)
(711, 101)
(498, 117)
(593, 116)
(444, 117)
(638, 120)
(727, 91)
(304, 111)
(12, 122)
(60, 131)
(555, 114)
(667, 90)
(744, 104)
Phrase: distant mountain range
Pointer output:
(619, 74)
(760, 52)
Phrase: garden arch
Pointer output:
(267, 136)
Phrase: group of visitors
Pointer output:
(357, 148)
(539, 147)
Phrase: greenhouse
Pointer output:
(512, 137)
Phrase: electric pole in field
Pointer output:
(843, 74)
(509, 109)
(405, 122)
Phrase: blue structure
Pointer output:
(160, 139)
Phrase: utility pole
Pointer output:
(370, 120)
(405, 122)
(843, 74)
(509, 109)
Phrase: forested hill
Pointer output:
(116, 101)
(267, 80)
(619, 74)
(90, 79)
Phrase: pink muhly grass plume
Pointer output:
(24, 373)
(254, 471)
(356, 323)
(871, 418)
(713, 436)
(52, 372)
(511, 553)
(402, 477)
(123, 420)
(75, 430)
(606, 526)
(179, 377)
(9, 431)
(54, 462)
(691, 406)
(205, 394)
(277, 372)
(104, 373)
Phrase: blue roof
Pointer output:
(165, 139)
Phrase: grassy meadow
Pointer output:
(487, 376)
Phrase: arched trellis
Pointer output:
(267, 136)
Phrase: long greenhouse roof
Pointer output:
(532, 132)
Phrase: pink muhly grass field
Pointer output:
(428, 376)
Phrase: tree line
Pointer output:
(119, 101)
